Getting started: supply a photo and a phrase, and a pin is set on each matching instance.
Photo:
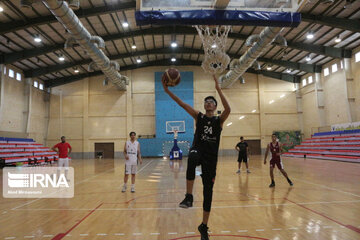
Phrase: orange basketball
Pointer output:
(171, 77)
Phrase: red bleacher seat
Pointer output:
(334, 147)
(25, 151)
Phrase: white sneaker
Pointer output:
(248, 171)
(132, 189)
(238, 171)
(123, 189)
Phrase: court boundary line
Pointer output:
(178, 208)
(62, 235)
(355, 229)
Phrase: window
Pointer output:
(304, 82)
(310, 80)
(36, 84)
(326, 72)
(357, 57)
(18, 76)
(341, 65)
(11, 73)
(41, 86)
(4, 70)
(334, 68)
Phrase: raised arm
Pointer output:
(185, 106)
(266, 153)
(225, 114)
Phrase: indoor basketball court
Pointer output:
(111, 112)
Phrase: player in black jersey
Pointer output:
(204, 150)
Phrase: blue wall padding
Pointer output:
(218, 17)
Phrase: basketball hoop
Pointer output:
(214, 41)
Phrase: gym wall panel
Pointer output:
(74, 88)
(107, 127)
(107, 104)
(336, 104)
(356, 75)
(144, 125)
(271, 84)
(72, 106)
(13, 106)
(286, 104)
(203, 82)
(54, 106)
(247, 126)
(73, 127)
(54, 129)
(143, 80)
(143, 105)
(275, 122)
(310, 115)
(242, 102)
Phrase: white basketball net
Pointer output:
(214, 41)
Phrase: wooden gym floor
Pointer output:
(324, 204)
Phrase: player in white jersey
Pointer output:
(132, 155)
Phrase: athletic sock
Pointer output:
(272, 181)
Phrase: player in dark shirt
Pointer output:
(204, 150)
(243, 149)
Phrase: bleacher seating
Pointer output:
(25, 151)
(338, 146)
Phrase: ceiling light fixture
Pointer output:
(133, 46)
(173, 59)
(125, 24)
(337, 39)
(310, 35)
(288, 70)
(37, 38)
(61, 58)
(308, 58)
(174, 44)
(138, 60)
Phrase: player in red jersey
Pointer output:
(276, 149)
(63, 149)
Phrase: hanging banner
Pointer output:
(288, 139)
(345, 126)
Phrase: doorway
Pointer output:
(104, 150)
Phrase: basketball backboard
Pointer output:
(245, 5)
(281, 13)
(172, 126)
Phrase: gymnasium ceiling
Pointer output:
(105, 18)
